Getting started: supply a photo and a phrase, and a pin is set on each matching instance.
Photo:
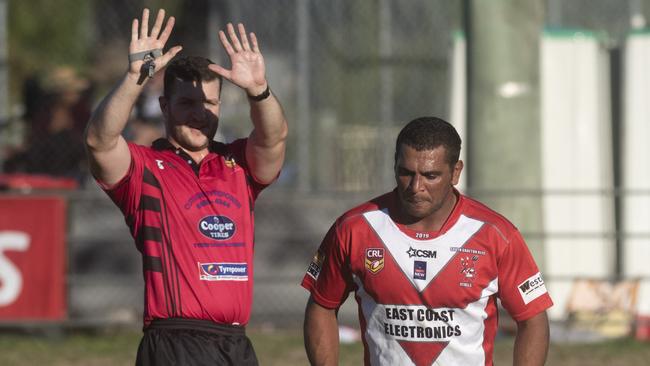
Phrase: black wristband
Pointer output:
(265, 94)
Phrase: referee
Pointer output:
(188, 200)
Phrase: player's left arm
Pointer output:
(531, 343)
(266, 145)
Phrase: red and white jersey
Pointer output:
(193, 225)
(427, 298)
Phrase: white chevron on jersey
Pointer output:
(399, 244)
(461, 346)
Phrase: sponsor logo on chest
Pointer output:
(419, 323)
(419, 270)
(421, 253)
(223, 271)
(420, 261)
(217, 227)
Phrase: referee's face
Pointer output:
(192, 113)
(425, 183)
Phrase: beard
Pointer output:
(193, 136)
(415, 208)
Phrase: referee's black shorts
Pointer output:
(194, 342)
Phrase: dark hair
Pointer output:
(427, 133)
(189, 68)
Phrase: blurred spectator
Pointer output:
(144, 131)
(148, 106)
(56, 112)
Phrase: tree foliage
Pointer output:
(45, 33)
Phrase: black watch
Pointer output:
(265, 94)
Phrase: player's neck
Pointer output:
(197, 156)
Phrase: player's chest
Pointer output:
(180, 174)
(213, 205)
(449, 269)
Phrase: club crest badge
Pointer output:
(374, 260)
(230, 163)
(468, 270)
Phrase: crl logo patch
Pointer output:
(374, 259)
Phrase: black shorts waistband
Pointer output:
(196, 324)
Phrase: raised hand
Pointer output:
(142, 42)
(248, 70)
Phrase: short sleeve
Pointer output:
(126, 193)
(328, 275)
(237, 149)
(521, 287)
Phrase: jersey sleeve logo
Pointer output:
(374, 260)
(316, 265)
(532, 288)
(230, 162)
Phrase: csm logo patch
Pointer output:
(223, 271)
(374, 260)
(217, 227)
(532, 288)
(421, 253)
(316, 265)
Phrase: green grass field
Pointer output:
(281, 347)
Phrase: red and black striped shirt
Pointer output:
(193, 224)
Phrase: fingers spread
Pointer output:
(134, 31)
(144, 26)
(233, 37)
(164, 59)
(244, 39)
(168, 30)
(158, 24)
(225, 43)
(256, 47)
(220, 70)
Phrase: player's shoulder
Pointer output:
(492, 219)
(225, 148)
(140, 152)
(157, 147)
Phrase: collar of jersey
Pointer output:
(451, 219)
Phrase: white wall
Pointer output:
(576, 161)
(636, 163)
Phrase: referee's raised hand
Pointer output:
(146, 49)
(247, 64)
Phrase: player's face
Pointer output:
(192, 113)
(425, 182)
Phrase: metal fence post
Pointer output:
(303, 123)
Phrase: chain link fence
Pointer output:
(349, 75)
